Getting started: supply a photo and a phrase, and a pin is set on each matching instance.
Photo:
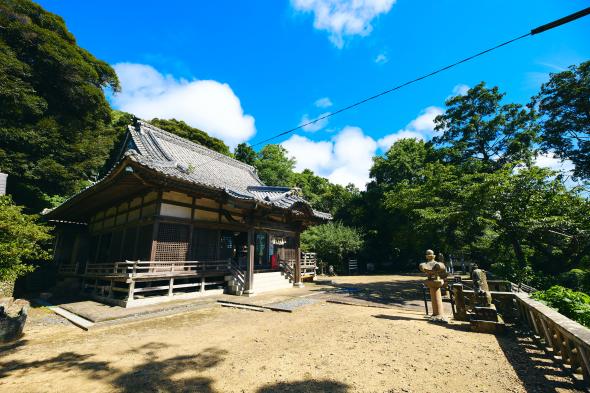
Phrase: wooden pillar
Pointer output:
(155, 229)
(250, 264)
(297, 270)
(171, 287)
(131, 290)
(202, 287)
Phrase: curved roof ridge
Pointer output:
(193, 145)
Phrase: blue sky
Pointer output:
(244, 71)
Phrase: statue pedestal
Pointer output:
(434, 286)
(486, 320)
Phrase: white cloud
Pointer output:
(313, 127)
(460, 90)
(324, 102)
(422, 128)
(344, 159)
(341, 18)
(388, 140)
(205, 104)
(551, 161)
(381, 58)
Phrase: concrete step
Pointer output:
(271, 286)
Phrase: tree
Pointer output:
(403, 161)
(54, 118)
(333, 242)
(183, 130)
(274, 167)
(22, 239)
(478, 130)
(322, 194)
(245, 153)
(564, 106)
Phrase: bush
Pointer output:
(574, 305)
(333, 242)
(22, 239)
(576, 279)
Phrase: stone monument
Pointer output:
(436, 272)
(485, 318)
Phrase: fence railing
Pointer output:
(308, 263)
(288, 268)
(154, 268)
(68, 268)
(567, 340)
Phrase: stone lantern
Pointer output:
(436, 273)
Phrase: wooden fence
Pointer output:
(157, 268)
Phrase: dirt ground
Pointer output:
(381, 344)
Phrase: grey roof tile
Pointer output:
(179, 158)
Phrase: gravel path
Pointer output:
(322, 347)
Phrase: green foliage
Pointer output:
(572, 304)
(322, 194)
(333, 242)
(274, 167)
(22, 239)
(475, 191)
(183, 130)
(245, 154)
(564, 106)
(576, 279)
(479, 130)
(54, 118)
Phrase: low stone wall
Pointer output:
(566, 340)
(505, 303)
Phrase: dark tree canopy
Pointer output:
(274, 167)
(54, 118)
(245, 153)
(564, 106)
(182, 129)
(478, 129)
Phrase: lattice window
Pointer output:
(205, 244)
(173, 242)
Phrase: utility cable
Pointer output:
(537, 30)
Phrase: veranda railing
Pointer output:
(147, 268)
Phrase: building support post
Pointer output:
(250, 264)
(202, 287)
(298, 282)
(131, 290)
(171, 287)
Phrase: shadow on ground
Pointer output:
(153, 375)
(319, 386)
(397, 293)
(535, 368)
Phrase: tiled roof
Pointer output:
(180, 158)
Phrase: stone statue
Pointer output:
(435, 272)
(483, 298)
(485, 317)
(433, 268)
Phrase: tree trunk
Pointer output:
(520, 257)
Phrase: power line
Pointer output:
(537, 30)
